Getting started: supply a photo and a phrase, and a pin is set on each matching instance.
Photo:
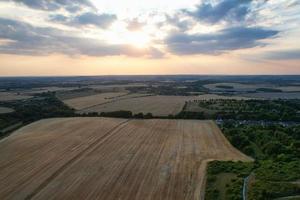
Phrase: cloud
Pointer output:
(86, 19)
(293, 4)
(51, 5)
(58, 18)
(293, 54)
(99, 20)
(230, 10)
(178, 22)
(219, 42)
(135, 25)
(155, 53)
(26, 39)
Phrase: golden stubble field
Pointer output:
(158, 105)
(111, 159)
(89, 101)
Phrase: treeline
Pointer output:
(44, 105)
(265, 142)
(261, 110)
(266, 110)
(225, 179)
(171, 88)
(119, 114)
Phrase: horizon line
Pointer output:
(108, 75)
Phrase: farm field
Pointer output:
(159, 105)
(11, 96)
(290, 88)
(92, 100)
(5, 110)
(112, 159)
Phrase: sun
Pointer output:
(138, 39)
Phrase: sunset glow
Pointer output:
(141, 37)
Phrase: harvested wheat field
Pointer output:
(159, 105)
(111, 159)
(92, 100)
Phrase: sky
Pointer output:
(121, 37)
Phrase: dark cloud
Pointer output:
(50, 5)
(89, 18)
(293, 54)
(219, 42)
(86, 19)
(231, 10)
(73, 8)
(178, 22)
(29, 40)
(58, 18)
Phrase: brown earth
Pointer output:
(111, 159)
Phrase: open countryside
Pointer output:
(149, 100)
(95, 159)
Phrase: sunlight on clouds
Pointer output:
(148, 37)
(119, 34)
(137, 39)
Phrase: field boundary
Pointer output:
(112, 101)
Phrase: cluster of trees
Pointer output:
(266, 190)
(276, 148)
(188, 115)
(45, 105)
(265, 142)
(237, 171)
(277, 153)
(267, 110)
